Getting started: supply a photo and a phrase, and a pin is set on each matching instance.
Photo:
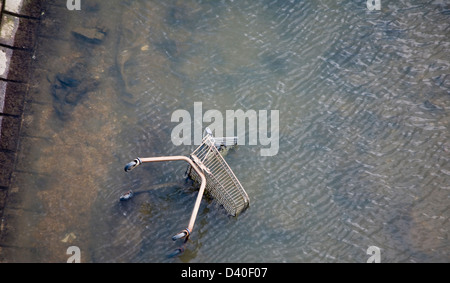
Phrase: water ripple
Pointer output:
(363, 100)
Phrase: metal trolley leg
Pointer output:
(138, 161)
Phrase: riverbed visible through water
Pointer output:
(363, 149)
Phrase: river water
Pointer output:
(364, 140)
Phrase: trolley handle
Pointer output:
(133, 164)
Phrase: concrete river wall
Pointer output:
(19, 21)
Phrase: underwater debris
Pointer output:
(126, 196)
(69, 237)
(91, 35)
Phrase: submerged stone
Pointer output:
(67, 80)
(69, 88)
(91, 35)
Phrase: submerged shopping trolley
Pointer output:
(208, 168)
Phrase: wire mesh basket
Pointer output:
(221, 183)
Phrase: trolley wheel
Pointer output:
(177, 252)
(181, 235)
(133, 164)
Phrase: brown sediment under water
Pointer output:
(363, 159)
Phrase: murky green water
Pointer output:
(364, 153)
